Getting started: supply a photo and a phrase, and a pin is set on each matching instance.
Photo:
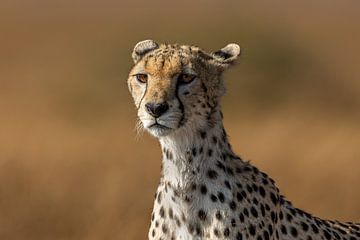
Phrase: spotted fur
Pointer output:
(206, 191)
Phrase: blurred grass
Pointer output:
(71, 166)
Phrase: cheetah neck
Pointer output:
(187, 154)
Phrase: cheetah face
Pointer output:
(176, 86)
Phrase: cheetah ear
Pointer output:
(227, 55)
(142, 48)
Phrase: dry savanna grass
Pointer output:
(71, 164)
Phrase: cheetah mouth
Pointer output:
(157, 125)
(159, 130)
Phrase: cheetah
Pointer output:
(206, 191)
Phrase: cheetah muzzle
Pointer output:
(206, 191)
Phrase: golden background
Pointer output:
(71, 166)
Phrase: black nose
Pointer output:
(156, 109)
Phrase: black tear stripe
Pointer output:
(181, 106)
(146, 87)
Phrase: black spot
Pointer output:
(270, 229)
(203, 189)
(226, 232)
(249, 188)
(194, 152)
(212, 174)
(232, 205)
(336, 235)
(162, 212)
(247, 169)
(241, 217)
(198, 230)
(164, 228)
(238, 185)
(273, 216)
(293, 232)
(159, 197)
(243, 193)
(314, 228)
(239, 197)
(233, 222)
(202, 215)
(227, 184)
(304, 226)
(293, 211)
(216, 232)
(266, 235)
(254, 212)
(281, 215)
(246, 212)
(262, 191)
(221, 197)
(327, 235)
(239, 236)
(171, 214)
(201, 150)
(213, 198)
(252, 230)
(220, 165)
(218, 215)
(203, 134)
(289, 217)
(274, 199)
(267, 207)
(262, 208)
(190, 228)
(178, 223)
(169, 155)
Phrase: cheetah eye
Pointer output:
(186, 78)
(142, 78)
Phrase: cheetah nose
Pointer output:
(156, 109)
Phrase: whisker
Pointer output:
(139, 128)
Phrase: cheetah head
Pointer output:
(177, 87)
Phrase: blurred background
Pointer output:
(71, 166)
